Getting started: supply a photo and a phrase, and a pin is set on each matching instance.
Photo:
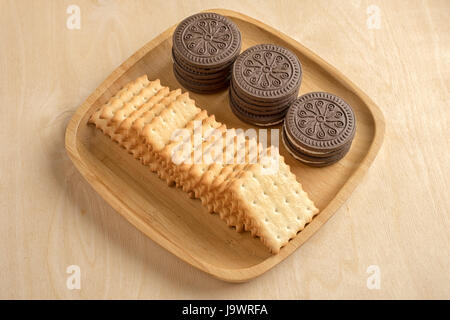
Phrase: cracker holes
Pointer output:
(275, 210)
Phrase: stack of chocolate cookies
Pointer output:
(319, 129)
(265, 81)
(204, 49)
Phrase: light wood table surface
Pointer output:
(398, 219)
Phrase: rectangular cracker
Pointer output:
(132, 114)
(229, 210)
(145, 99)
(166, 156)
(133, 89)
(123, 95)
(133, 142)
(228, 151)
(204, 133)
(273, 207)
(217, 196)
(202, 160)
(153, 89)
(157, 133)
(120, 98)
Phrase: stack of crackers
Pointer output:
(249, 186)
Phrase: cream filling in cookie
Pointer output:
(298, 157)
(292, 140)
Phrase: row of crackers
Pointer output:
(143, 117)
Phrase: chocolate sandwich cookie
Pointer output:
(259, 110)
(204, 48)
(319, 128)
(201, 73)
(189, 77)
(201, 87)
(260, 104)
(300, 150)
(265, 81)
(311, 160)
(207, 40)
(258, 101)
(267, 73)
(259, 120)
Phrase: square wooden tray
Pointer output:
(180, 224)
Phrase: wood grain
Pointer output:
(397, 218)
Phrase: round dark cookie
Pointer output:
(257, 110)
(310, 153)
(199, 72)
(185, 70)
(190, 77)
(312, 157)
(266, 120)
(202, 83)
(320, 122)
(267, 72)
(201, 87)
(262, 104)
(207, 40)
(313, 161)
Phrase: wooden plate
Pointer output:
(180, 224)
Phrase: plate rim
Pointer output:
(230, 275)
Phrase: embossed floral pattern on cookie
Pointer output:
(321, 119)
(267, 72)
(207, 37)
